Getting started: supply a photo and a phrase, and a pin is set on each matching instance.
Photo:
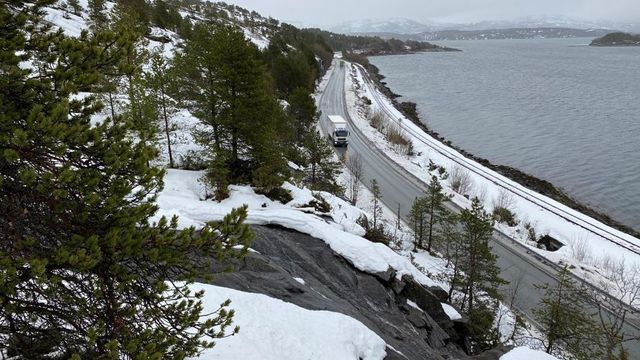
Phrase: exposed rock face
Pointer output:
(331, 283)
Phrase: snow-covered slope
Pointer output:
(271, 329)
(183, 195)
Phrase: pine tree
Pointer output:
(417, 220)
(84, 271)
(427, 214)
(160, 14)
(75, 6)
(375, 202)
(159, 80)
(138, 9)
(230, 91)
(436, 211)
(481, 271)
(97, 14)
(478, 272)
(563, 318)
(322, 168)
(304, 112)
(142, 113)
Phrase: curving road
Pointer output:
(399, 188)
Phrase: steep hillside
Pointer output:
(139, 139)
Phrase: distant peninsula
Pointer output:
(617, 39)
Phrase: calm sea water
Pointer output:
(556, 108)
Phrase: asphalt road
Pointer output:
(398, 187)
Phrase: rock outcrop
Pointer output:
(304, 271)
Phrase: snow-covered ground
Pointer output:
(271, 329)
(590, 245)
(184, 195)
(524, 353)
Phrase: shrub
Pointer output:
(432, 165)
(443, 172)
(580, 249)
(192, 161)
(373, 233)
(460, 180)
(504, 200)
(320, 204)
(505, 216)
(531, 232)
(277, 194)
(399, 139)
(378, 120)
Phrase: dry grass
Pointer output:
(378, 120)
(398, 139)
(460, 180)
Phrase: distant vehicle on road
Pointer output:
(337, 131)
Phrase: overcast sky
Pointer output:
(329, 12)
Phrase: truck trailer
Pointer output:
(337, 131)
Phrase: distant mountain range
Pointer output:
(548, 27)
(495, 34)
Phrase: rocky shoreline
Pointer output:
(409, 109)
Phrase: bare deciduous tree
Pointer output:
(481, 193)
(505, 200)
(580, 248)
(354, 165)
(624, 282)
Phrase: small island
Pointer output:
(617, 39)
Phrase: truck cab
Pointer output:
(338, 132)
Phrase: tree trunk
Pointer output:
(431, 211)
(166, 124)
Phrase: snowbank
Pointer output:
(451, 312)
(183, 193)
(524, 353)
(271, 329)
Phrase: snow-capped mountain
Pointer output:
(403, 26)
(392, 25)
(556, 21)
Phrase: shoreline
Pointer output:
(544, 187)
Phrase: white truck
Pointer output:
(337, 130)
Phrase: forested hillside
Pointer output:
(97, 99)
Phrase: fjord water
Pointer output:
(554, 108)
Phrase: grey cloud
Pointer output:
(328, 12)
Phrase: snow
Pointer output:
(524, 353)
(183, 193)
(71, 24)
(414, 305)
(451, 312)
(545, 215)
(505, 322)
(271, 329)
(299, 280)
(448, 309)
(258, 40)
